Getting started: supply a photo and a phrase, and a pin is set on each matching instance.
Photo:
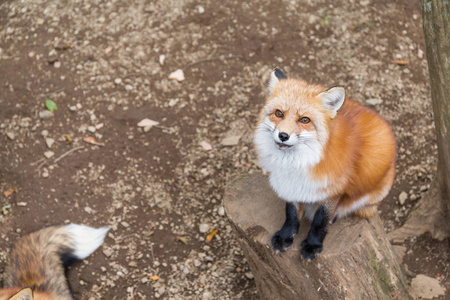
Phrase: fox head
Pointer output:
(296, 119)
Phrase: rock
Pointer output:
(125, 224)
(49, 154)
(107, 252)
(118, 81)
(178, 75)
(10, 135)
(374, 101)
(402, 198)
(91, 129)
(173, 102)
(205, 145)
(161, 290)
(45, 173)
(221, 211)
(249, 275)
(207, 295)
(45, 115)
(413, 197)
(426, 287)
(162, 58)
(200, 9)
(57, 64)
(49, 142)
(147, 124)
(44, 133)
(197, 263)
(128, 87)
(203, 228)
(25, 122)
(231, 140)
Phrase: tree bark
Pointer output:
(432, 213)
(357, 261)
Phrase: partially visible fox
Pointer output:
(327, 156)
(39, 260)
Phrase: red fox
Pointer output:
(38, 261)
(327, 156)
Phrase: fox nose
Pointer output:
(283, 136)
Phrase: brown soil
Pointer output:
(154, 187)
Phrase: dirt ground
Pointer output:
(160, 190)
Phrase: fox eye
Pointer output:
(278, 113)
(304, 120)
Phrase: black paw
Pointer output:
(281, 240)
(309, 251)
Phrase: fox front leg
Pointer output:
(284, 237)
(313, 244)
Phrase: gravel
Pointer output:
(160, 189)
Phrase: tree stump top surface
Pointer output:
(251, 203)
(357, 261)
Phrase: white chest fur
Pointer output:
(290, 169)
(296, 185)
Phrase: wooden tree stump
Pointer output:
(357, 261)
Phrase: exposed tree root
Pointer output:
(429, 215)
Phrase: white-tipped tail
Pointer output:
(85, 239)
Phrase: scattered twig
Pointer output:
(43, 163)
(151, 251)
(209, 59)
(67, 153)
(36, 162)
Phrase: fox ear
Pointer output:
(23, 294)
(332, 99)
(275, 77)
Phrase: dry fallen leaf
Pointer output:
(8, 192)
(154, 278)
(400, 62)
(178, 75)
(210, 236)
(182, 239)
(147, 123)
(92, 141)
(68, 138)
(205, 145)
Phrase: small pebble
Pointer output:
(221, 211)
(402, 198)
(203, 228)
(45, 115)
(49, 142)
(118, 81)
(10, 135)
(49, 154)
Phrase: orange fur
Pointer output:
(37, 259)
(358, 146)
